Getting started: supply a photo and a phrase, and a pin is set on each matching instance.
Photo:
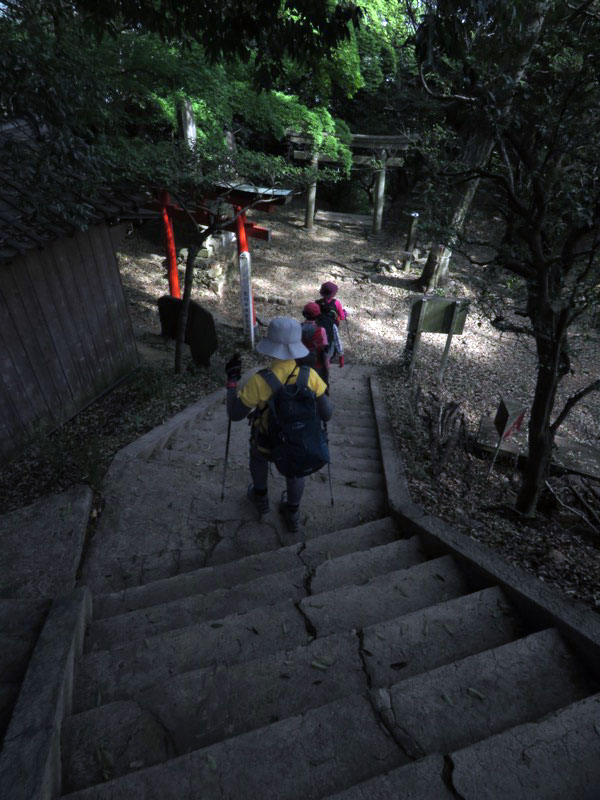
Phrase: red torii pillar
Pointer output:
(165, 203)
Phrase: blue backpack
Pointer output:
(298, 440)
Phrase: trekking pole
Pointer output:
(328, 465)
(348, 332)
(226, 457)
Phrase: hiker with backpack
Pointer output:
(332, 313)
(287, 405)
(314, 338)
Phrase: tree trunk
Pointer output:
(187, 122)
(477, 151)
(541, 441)
(185, 305)
(548, 323)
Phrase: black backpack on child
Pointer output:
(298, 440)
(327, 319)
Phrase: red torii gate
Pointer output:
(240, 197)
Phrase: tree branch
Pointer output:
(571, 509)
(572, 401)
(446, 97)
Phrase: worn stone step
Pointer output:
(342, 451)
(116, 674)
(440, 634)
(460, 703)
(135, 664)
(356, 567)
(180, 613)
(339, 543)
(361, 567)
(202, 707)
(385, 597)
(194, 465)
(422, 780)
(232, 573)
(556, 758)
(308, 755)
(147, 533)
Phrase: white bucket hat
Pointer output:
(284, 339)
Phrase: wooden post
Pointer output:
(379, 194)
(411, 238)
(311, 195)
(417, 337)
(448, 340)
(170, 243)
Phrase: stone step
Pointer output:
(117, 674)
(553, 759)
(356, 568)
(343, 472)
(256, 591)
(423, 640)
(339, 543)
(384, 597)
(461, 703)
(110, 632)
(147, 533)
(422, 780)
(308, 755)
(130, 666)
(202, 707)
(232, 573)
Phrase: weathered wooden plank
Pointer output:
(46, 347)
(107, 298)
(38, 274)
(12, 426)
(72, 348)
(120, 310)
(45, 397)
(98, 314)
(67, 256)
(105, 260)
(20, 376)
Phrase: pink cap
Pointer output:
(311, 311)
(328, 289)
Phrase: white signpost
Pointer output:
(245, 263)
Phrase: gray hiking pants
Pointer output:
(259, 469)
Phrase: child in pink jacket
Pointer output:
(330, 306)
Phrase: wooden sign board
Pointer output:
(438, 315)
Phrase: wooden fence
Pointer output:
(65, 334)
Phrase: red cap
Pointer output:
(328, 289)
(311, 311)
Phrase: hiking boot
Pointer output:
(292, 518)
(261, 501)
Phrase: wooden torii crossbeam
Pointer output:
(380, 147)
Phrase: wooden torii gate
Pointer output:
(380, 147)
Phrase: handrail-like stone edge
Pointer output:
(30, 760)
(539, 604)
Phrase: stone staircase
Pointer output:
(227, 658)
